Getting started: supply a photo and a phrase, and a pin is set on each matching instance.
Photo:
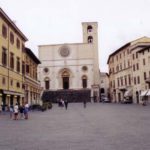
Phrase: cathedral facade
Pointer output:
(72, 66)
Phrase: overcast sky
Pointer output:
(59, 21)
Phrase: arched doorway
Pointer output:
(47, 83)
(65, 79)
(84, 81)
(102, 91)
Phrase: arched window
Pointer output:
(90, 39)
(89, 28)
(84, 81)
(47, 83)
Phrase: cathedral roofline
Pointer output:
(64, 44)
(89, 22)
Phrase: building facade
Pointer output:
(126, 72)
(32, 85)
(141, 75)
(13, 65)
(72, 66)
(104, 85)
(12, 42)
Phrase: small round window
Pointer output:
(84, 68)
(46, 70)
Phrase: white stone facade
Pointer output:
(67, 66)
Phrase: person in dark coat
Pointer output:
(21, 110)
(84, 103)
(66, 104)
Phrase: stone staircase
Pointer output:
(70, 95)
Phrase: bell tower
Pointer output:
(90, 36)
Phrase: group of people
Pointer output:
(62, 103)
(19, 111)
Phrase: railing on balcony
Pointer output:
(147, 80)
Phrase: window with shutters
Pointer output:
(4, 31)
(11, 38)
(4, 56)
(11, 60)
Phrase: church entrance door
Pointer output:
(65, 79)
(65, 82)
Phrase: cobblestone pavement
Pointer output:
(98, 127)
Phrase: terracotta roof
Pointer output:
(143, 49)
(143, 41)
(118, 50)
(31, 54)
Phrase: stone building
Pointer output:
(12, 42)
(104, 84)
(126, 72)
(141, 75)
(18, 66)
(32, 85)
(72, 66)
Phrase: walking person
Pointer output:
(84, 103)
(144, 101)
(11, 111)
(26, 110)
(0, 109)
(66, 104)
(3, 108)
(62, 102)
(16, 110)
(21, 110)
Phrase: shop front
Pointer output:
(9, 98)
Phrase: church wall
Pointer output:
(51, 58)
(72, 59)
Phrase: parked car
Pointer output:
(127, 100)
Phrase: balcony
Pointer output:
(123, 88)
(147, 80)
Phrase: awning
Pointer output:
(144, 93)
(128, 93)
(148, 93)
(13, 93)
(123, 88)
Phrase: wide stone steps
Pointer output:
(70, 95)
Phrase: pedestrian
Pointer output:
(11, 111)
(0, 109)
(143, 101)
(58, 101)
(3, 108)
(26, 110)
(66, 104)
(62, 102)
(21, 110)
(84, 103)
(16, 110)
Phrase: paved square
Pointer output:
(98, 127)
